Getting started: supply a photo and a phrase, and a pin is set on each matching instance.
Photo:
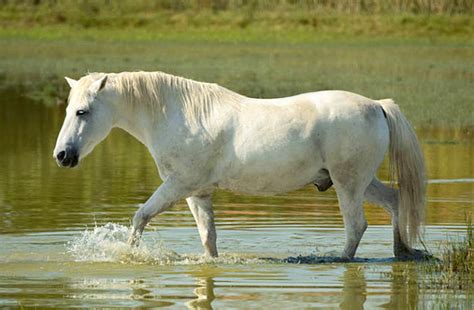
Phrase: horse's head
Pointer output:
(89, 119)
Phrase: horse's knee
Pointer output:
(140, 219)
(146, 212)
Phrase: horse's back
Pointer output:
(336, 119)
(329, 105)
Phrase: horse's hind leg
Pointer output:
(201, 208)
(350, 181)
(387, 197)
(355, 224)
(350, 188)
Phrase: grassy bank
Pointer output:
(348, 18)
(77, 11)
(275, 22)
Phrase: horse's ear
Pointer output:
(99, 84)
(70, 81)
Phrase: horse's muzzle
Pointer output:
(68, 158)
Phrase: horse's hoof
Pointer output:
(414, 255)
(133, 240)
(337, 257)
(332, 254)
(345, 259)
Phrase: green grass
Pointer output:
(411, 18)
(449, 280)
(66, 10)
(455, 269)
(272, 22)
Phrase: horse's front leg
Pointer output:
(201, 208)
(162, 199)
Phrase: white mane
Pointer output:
(158, 89)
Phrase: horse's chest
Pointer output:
(188, 164)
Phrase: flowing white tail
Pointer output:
(407, 164)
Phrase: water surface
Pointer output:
(62, 231)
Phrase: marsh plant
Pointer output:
(455, 269)
(448, 280)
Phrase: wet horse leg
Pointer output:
(162, 199)
(201, 208)
(387, 197)
(350, 181)
(355, 224)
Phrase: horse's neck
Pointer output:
(145, 121)
(137, 120)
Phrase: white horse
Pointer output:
(205, 137)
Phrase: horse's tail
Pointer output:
(407, 164)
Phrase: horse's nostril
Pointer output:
(61, 155)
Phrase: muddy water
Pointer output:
(62, 232)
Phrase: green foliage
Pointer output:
(346, 16)
(339, 6)
(455, 270)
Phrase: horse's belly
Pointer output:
(265, 185)
(270, 177)
(261, 188)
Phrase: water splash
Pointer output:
(108, 243)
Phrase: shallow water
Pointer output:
(63, 231)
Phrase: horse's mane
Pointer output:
(158, 89)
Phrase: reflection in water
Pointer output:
(403, 287)
(354, 292)
(204, 294)
(204, 291)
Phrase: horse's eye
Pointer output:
(81, 112)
